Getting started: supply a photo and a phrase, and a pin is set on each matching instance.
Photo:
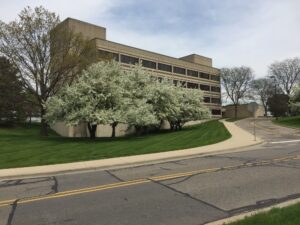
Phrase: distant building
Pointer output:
(192, 71)
(242, 111)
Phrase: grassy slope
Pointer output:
(285, 216)
(22, 147)
(293, 121)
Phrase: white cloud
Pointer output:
(262, 32)
(84, 10)
(270, 34)
(255, 39)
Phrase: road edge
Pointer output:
(252, 213)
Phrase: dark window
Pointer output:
(206, 99)
(214, 77)
(216, 100)
(216, 112)
(215, 89)
(192, 85)
(179, 70)
(192, 73)
(175, 82)
(204, 75)
(165, 67)
(106, 55)
(129, 60)
(149, 64)
(204, 87)
(182, 83)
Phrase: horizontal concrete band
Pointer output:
(240, 139)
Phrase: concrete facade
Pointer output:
(193, 71)
(242, 111)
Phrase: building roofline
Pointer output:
(171, 57)
(80, 21)
(195, 54)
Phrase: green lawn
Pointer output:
(293, 121)
(20, 147)
(285, 216)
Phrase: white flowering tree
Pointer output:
(170, 103)
(106, 94)
(139, 110)
(96, 98)
(165, 101)
(191, 107)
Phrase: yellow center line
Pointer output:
(142, 181)
(85, 191)
(77, 191)
(184, 174)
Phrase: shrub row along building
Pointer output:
(192, 71)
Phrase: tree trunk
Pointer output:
(235, 111)
(266, 111)
(171, 125)
(178, 125)
(113, 126)
(44, 125)
(145, 130)
(30, 116)
(138, 129)
(160, 125)
(92, 129)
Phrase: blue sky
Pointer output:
(232, 32)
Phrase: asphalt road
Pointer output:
(188, 191)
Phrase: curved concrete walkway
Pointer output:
(240, 139)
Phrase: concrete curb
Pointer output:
(239, 140)
(252, 213)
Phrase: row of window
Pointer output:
(203, 87)
(212, 100)
(216, 112)
(153, 65)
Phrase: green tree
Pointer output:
(237, 82)
(278, 105)
(286, 74)
(12, 96)
(295, 102)
(263, 89)
(46, 55)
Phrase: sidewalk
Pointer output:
(240, 139)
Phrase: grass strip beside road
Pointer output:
(22, 147)
(285, 216)
(293, 121)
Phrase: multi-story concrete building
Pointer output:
(193, 71)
